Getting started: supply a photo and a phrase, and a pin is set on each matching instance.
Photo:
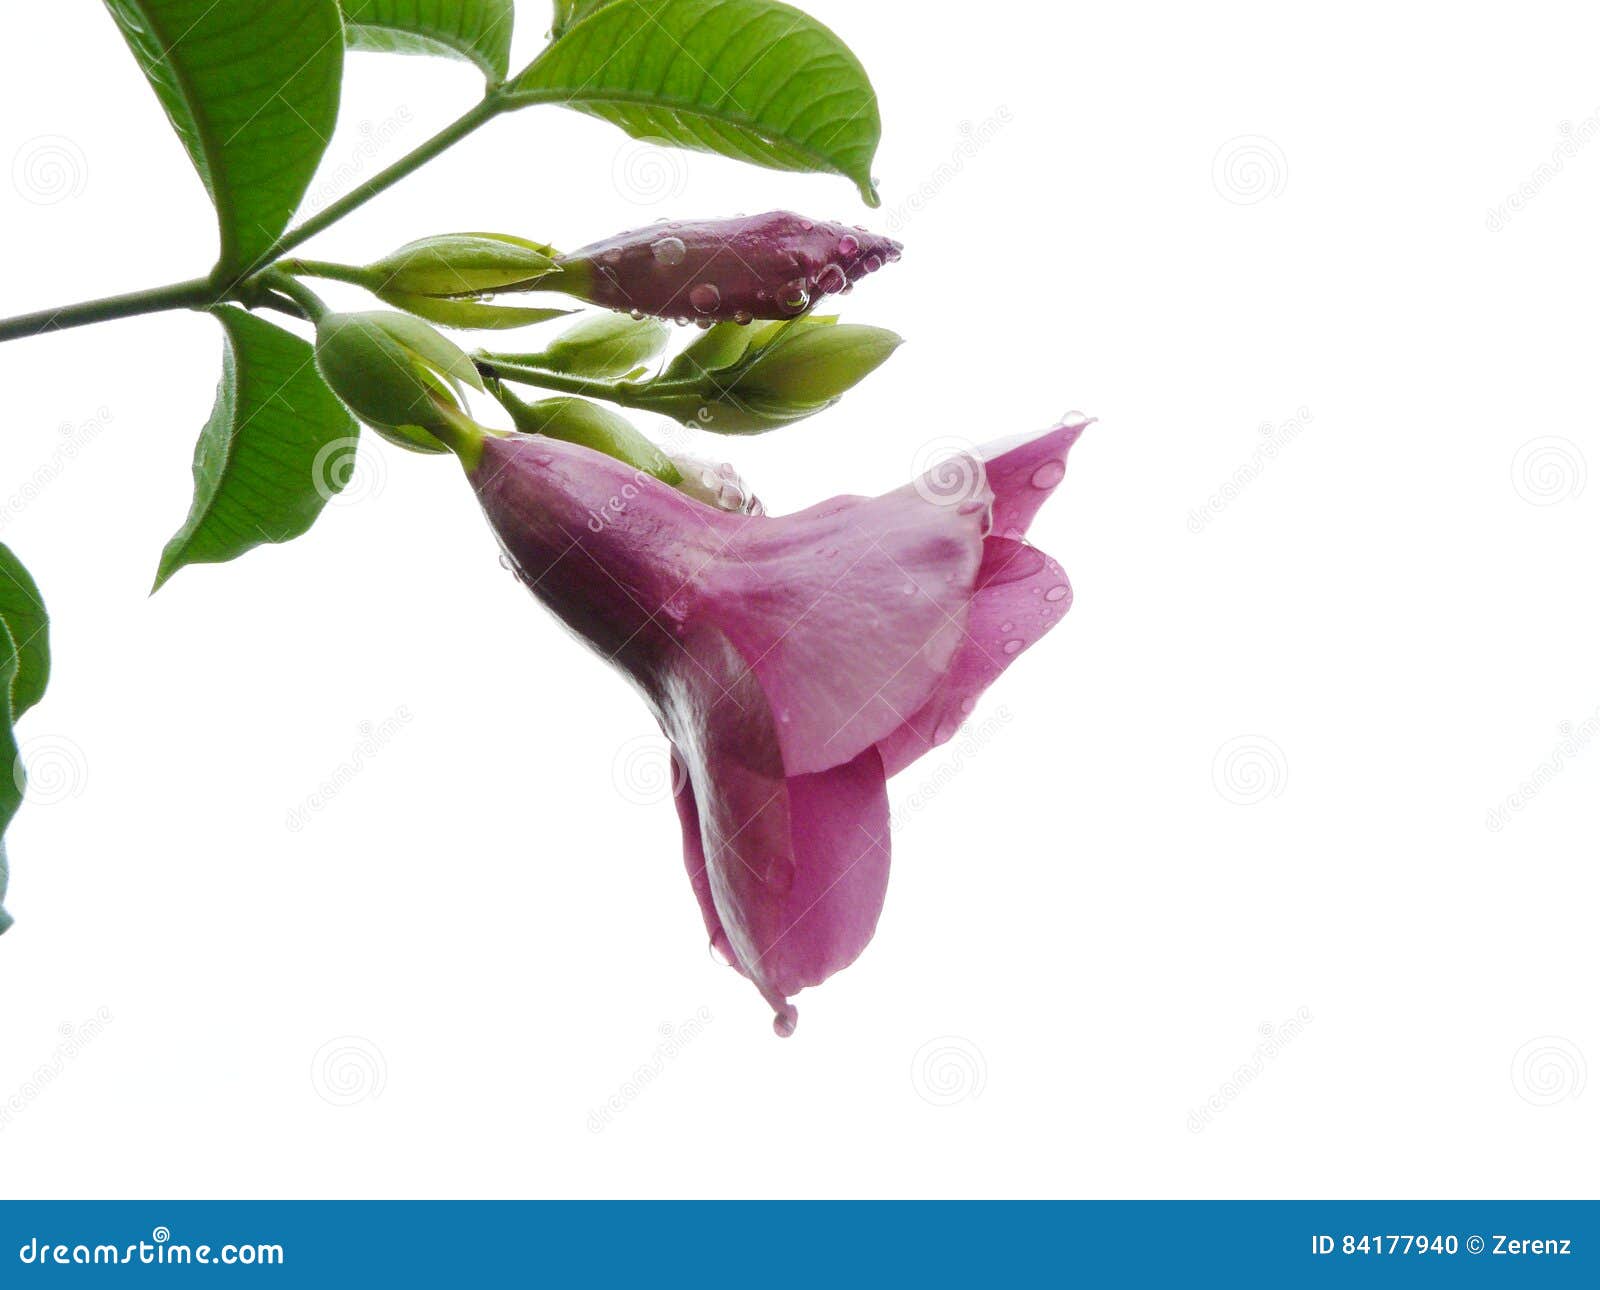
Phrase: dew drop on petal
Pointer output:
(669, 250)
(1050, 474)
(636, 314)
(1007, 626)
(968, 704)
(1011, 646)
(783, 1023)
(705, 297)
(945, 731)
(1057, 592)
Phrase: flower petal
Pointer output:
(1023, 473)
(849, 613)
(796, 867)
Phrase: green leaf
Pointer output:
(252, 95)
(24, 670)
(23, 617)
(754, 80)
(478, 31)
(263, 467)
(568, 12)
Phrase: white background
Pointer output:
(1222, 838)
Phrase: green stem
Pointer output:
(564, 384)
(280, 280)
(197, 293)
(326, 269)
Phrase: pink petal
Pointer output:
(849, 613)
(1024, 472)
(796, 867)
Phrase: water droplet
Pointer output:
(505, 563)
(784, 1022)
(795, 295)
(945, 731)
(1007, 626)
(832, 280)
(848, 245)
(636, 314)
(744, 318)
(705, 298)
(682, 322)
(669, 250)
(874, 263)
(1058, 593)
(705, 324)
(968, 704)
(1049, 474)
(721, 951)
(909, 589)
(1075, 419)
(1011, 646)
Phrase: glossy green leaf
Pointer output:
(754, 80)
(23, 618)
(253, 92)
(478, 31)
(269, 458)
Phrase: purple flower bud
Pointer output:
(759, 266)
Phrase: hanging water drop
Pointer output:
(705, 297)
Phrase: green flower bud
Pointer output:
(582, 422)
(461, 265)
(781, 373)
(602, 347)
(398, 375)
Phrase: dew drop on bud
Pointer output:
(831, 280)
(705, 298)
(669, 250)
(795, 295)
(849, 245)
(744, 318)
(874, 263)
(636, 314)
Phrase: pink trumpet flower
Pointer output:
(795, 662)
